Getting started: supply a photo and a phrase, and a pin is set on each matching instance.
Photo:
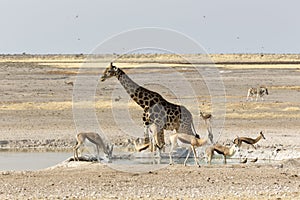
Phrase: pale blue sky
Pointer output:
(73, 26)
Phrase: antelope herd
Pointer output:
(176, 140)
(162, 115)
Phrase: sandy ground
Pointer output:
(93, 180)
(36, 109)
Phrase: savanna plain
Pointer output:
(40, 111)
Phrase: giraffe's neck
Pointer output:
(131, 87)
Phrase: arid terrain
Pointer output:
(44, 104)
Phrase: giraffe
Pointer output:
(158, 113)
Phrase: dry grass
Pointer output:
(259, 66)
(233, 110)
(37, 106)
(233, 60)
(265, 110)
(63, 72)
(285, 87)
(108, 104)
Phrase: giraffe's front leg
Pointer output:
(151, 131)
(157, 138)
(146, 134)
(159, 141)
(147, 139)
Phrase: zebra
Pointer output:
(258, 92)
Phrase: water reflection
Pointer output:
(40, 160)
(30, 160)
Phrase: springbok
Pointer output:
(220, 149)
(140, 147)
(207, 119)
(95, 139)
(247, 140)
(206, 116)
(190, 142)
(258, 92)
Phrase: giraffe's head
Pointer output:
(110, 71)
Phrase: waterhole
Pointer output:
(40, 160)
(30, 160)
